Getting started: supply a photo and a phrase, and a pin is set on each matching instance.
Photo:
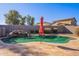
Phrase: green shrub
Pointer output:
(34, 32)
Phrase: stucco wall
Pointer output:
(10, 28)
(6, 29)
(72, 28)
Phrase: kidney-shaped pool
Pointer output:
(51, 39)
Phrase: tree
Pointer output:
(30, 20)
(12, 17)
(22, 20)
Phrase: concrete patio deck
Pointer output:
(42, 48)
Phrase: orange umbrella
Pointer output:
(41, 28)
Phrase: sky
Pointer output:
(50, 11)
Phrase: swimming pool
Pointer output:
(51, 39)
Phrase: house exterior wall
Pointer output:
(45, 24)
(63, 23)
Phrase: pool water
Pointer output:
(51, 39)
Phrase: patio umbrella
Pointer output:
(41, 28)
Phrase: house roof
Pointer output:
(73, 18)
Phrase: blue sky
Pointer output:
(50, 11)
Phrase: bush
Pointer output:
(37, 31)
(34, 32)
(47, 32)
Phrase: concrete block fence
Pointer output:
(6, 29)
